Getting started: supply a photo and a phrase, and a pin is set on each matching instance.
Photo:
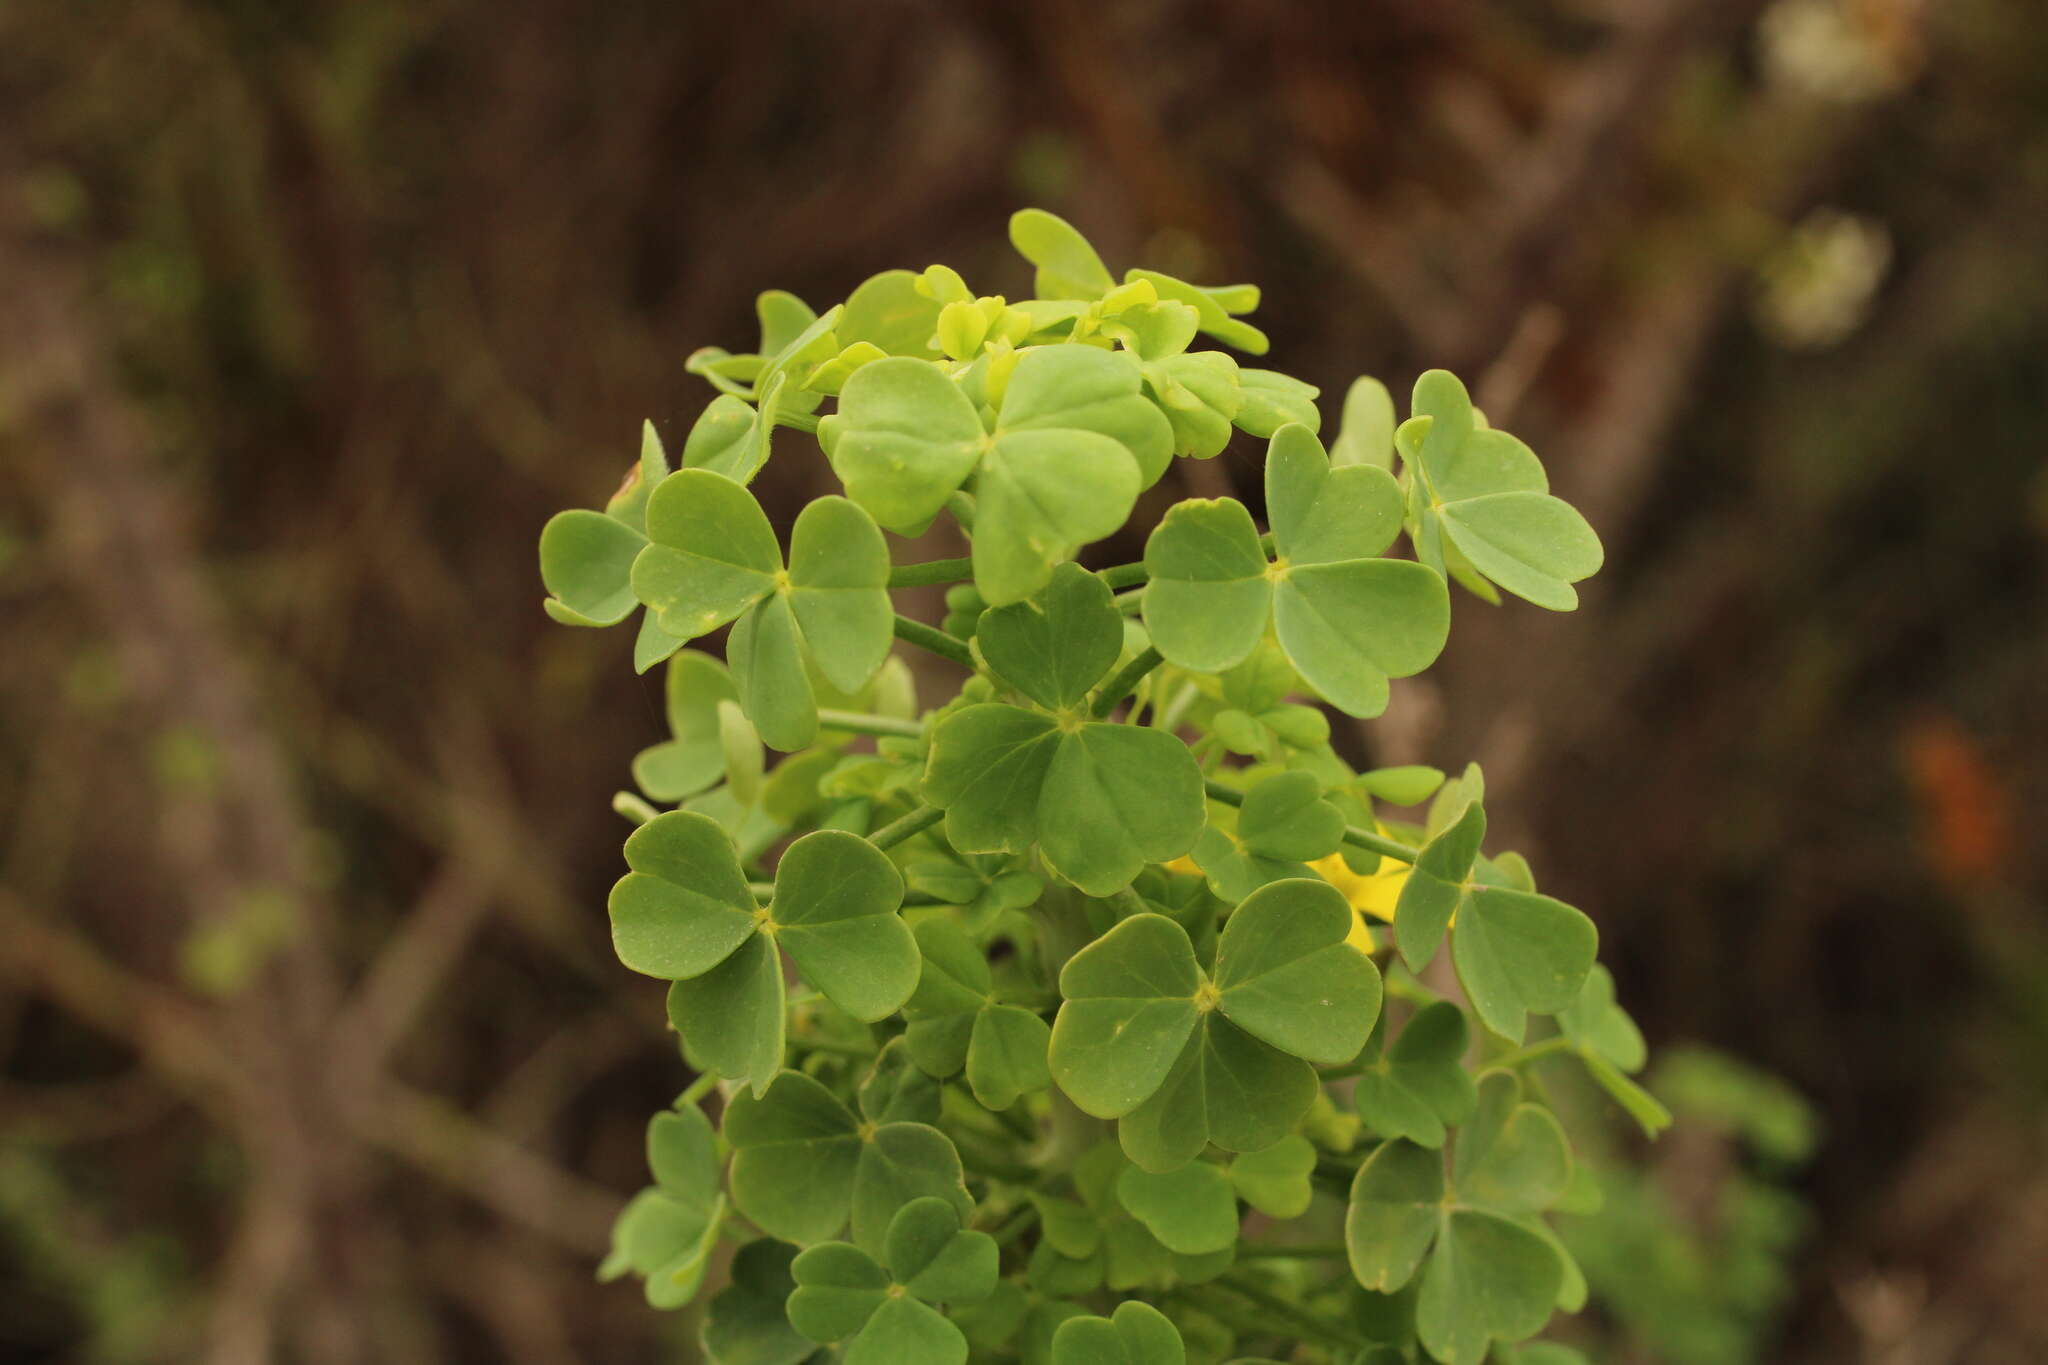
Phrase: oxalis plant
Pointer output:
(1099, 1015)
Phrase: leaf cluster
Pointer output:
(1025, 1013)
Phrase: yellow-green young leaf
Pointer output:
(1041, 496)
(783, 317)
(907, 439)
(1154, 331)
(1200, 395)
(1192, 1211)
(694, 757)
(890, 312)
(729, 438)
(1272, 400)
(1083, 389)
(1215, 318)
(1367, 436)
(1068, 267)
(586, 561)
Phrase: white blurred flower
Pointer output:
(1817, 286)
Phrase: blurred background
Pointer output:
(312, 1047)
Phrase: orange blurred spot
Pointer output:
(1965, 809)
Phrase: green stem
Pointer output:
(1132, 602)
(931, 571)
(961, 505)
(1128, 903)
(833, 1046)
(1119, 687)
(1019, 1223)
(937, 641)
(1535, 1052)
(698, 1089)
(1307, 1251)
(1124, 575)
(1304, 1320)
(1247, 1325)
(633, 808)
(918, 821)
(1022, 1128)
(1353, 835)
(860, 723)
(802, 421)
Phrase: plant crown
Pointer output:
(1055, 1033)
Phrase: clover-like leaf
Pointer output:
(889, 312)
(748, 1323)
(1367, 436)
(1136, 1334)
(956, 1021)
(1347, 619)
(885, 1306)
(804, 1165)
(586, 557)
(1484, 495)
(1490, 1274)
(1276, 1180)
(1073, 442)
(1184, 1060)
(1200, 395)
(713, 558)
(1272, 400)
(1611, 1047)
(1283, 825)
(1419, 1085)
(1192, 1211)
(685, 913)
(667, 1232)
(694, 757)
(1102, 800)
(1213, 306)
(1068, 267)
(1516, 952)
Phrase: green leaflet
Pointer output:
(1418, 1088)
(1486, 1275)
(712, 558)
(804, 1165)
(957, 1021)
(747, 1323)
(1516, 952)
(1101, 800)
(1484, 495)
(885, 1306)
(667, 1233)
(1346, 619)
(1136, 1334)
(685, 914)
(694, 757)
(1185, 1057)
(1073, 442)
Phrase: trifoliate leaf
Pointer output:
(694, 758)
